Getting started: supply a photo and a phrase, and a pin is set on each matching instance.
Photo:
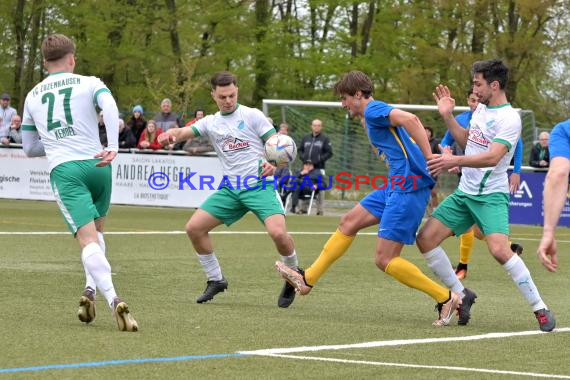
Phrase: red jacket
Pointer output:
(153, 144)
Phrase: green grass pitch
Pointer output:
(41, 279)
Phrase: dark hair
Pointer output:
(429, 129)
(56, 46)
(352, 82)
(222, 79)
(470, 91)
(492, 70)
(198, 110)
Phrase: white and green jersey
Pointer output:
(500, 124)
(238, 138)
(62, 109)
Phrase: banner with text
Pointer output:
(526, 205)
(22, 177)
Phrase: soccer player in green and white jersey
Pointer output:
(237, 133)
(61, 111)
(483, 194)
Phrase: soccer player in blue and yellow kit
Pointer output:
(555, 192)
(398, 209)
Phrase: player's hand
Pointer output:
(106, 157)
(442, 162)
(445, 103)
(514, 182)
(268, 169)
(454, 170)
(166, 139)
(546, 248)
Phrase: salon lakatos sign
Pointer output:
(22, 177)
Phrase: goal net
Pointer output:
(352, 152)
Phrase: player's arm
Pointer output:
(555, 192)
(515, 178)
(107, 103)
(447, 140)
(31, 142)
(445, 105)
(481, 160)
(412, 124)
(175, 135)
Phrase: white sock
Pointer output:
(521, 276)
(291, 261)
(99, 268)
(89, 280)
(440, 265)
(211, 266)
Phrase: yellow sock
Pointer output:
(335, 247)
(466, 246)
(410, 275)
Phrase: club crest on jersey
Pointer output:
(476, 136)
(241, 125)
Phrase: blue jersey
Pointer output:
(403, 156)
(463, 119)
(559, 143)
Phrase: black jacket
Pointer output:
(537, 154)
(317, 148)
(127, 139)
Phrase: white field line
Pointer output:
(327, 233)
(398, 342)
(404, 365)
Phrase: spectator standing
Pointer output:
(14, 130)
(137, 123)
(6, 114)
(149, 137)
(126, 137)
(166, 119)
(539, 155)
(316, 147)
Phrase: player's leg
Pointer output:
(450, 217)
(365, 214)
(493, 219)
(389, 261)
(515, 247)
(266, 204)
(99, 181)
(398, 225)
(466, 242)
(78, 186)
(87, 310)
(337, 245)
(221, 207)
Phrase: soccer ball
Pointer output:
(280, 149)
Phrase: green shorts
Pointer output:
(82, 191)
(230, 205)
(460, 211)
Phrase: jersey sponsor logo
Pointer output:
(230, 143)
(477, 137)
